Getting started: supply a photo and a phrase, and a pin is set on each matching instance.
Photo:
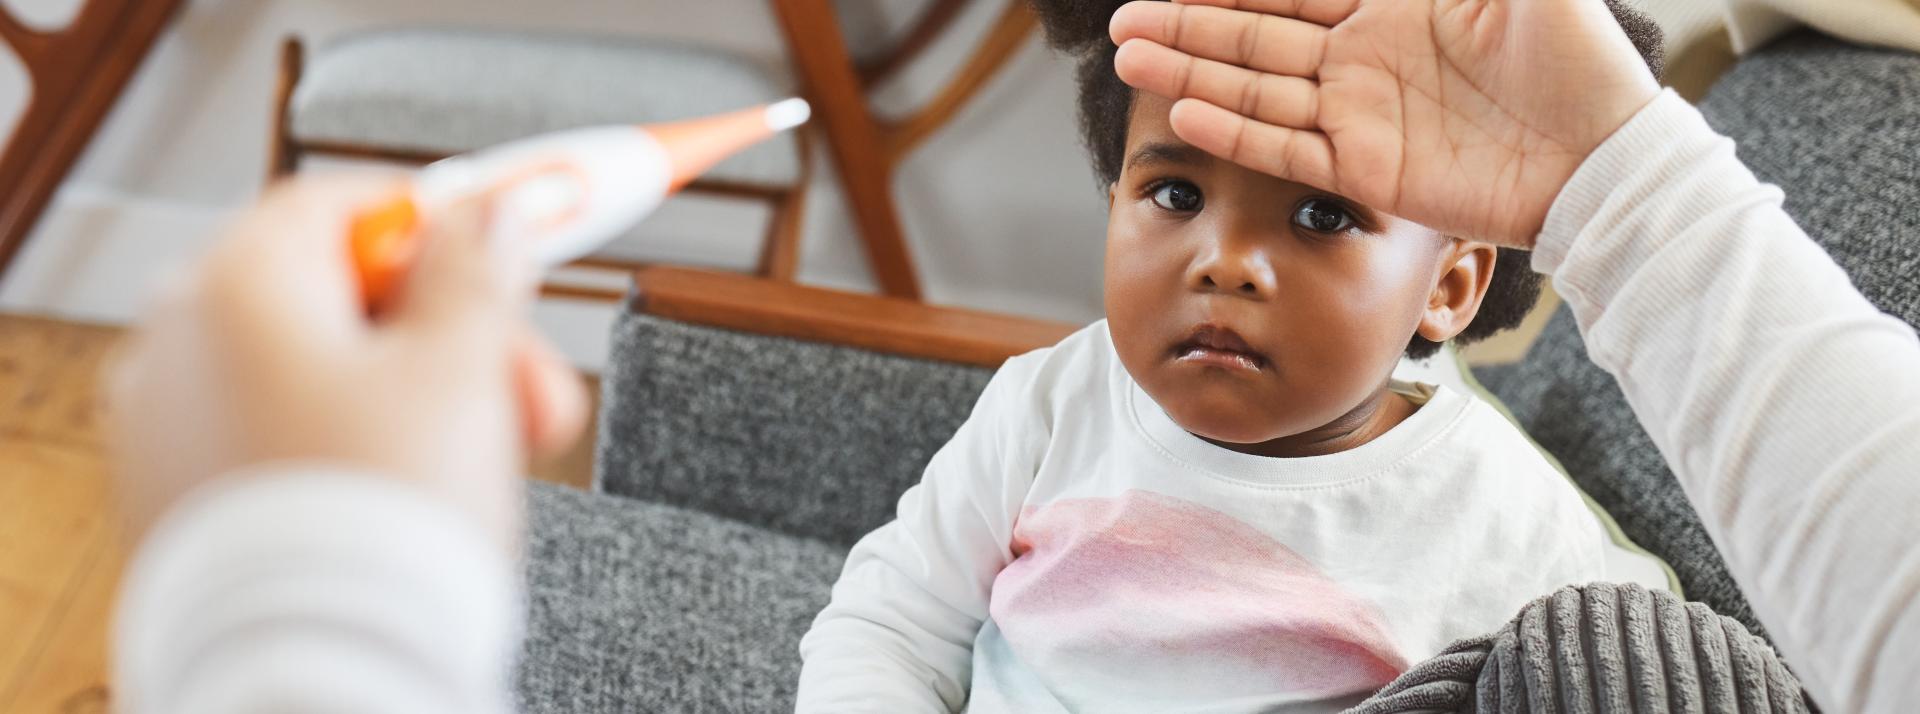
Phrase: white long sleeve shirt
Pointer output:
(316, 590)
(1787, 405)
(1074, 549)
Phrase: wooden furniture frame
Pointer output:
(877, 323)
(779, 255)
(866, 148)
(77, 73)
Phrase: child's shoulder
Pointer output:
(1503, 460)
(1088, 346)
(1077, 370)
(1087, 353)
(1483, 428)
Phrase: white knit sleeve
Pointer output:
(1788, 406)
(309, 589)
(898, 635)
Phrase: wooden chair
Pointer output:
(866, 147)
(878, 323)
(76, 72)
(775, 172)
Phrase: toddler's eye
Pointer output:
(1322, 215)
(1177, 196)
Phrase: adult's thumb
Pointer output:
(465, 286)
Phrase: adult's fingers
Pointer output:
(1274, 99)
(1319, 12)
(1258, 41)
(1291, 154)
(306, 216)
(281, 272)
(551, 398)
(464, 288)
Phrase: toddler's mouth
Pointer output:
(1218, 346)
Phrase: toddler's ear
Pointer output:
(1466, 271)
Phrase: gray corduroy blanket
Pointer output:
(1598, 649)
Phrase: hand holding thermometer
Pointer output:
(566, 193)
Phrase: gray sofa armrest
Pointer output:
(799, 437)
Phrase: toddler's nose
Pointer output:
(1229, 270)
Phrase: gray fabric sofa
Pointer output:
(734, 471)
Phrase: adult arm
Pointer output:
(1787, 405)
(1783, 400)
(317, 589)
(328, 506)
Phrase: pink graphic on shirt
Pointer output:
(1161, 597)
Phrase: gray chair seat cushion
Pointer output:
(804, 438)
(636, 606)
(449, 91)
(1835, 126)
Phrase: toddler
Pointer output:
(1217, 499)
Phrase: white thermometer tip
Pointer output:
(788, 113)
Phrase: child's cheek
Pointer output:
(1138, 259)
(1381, 288)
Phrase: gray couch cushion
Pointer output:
(645, 607)
(450, 91)
(800, 437)
(1835, 127)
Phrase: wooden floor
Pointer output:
(60, 549)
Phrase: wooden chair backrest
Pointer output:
(77, 71)
(878, 323)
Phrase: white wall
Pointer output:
(1000, 207)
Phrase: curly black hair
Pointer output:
(1079, 29)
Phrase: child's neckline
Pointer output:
(1438, 409)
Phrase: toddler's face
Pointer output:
(1254, 309)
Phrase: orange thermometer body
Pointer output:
(566, 193)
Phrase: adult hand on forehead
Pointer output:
(1467, 116)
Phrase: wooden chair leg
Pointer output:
(283, 155)
(853, 136)
(920, 35)
(1008, 34)
(780, 253)
(77, 74)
